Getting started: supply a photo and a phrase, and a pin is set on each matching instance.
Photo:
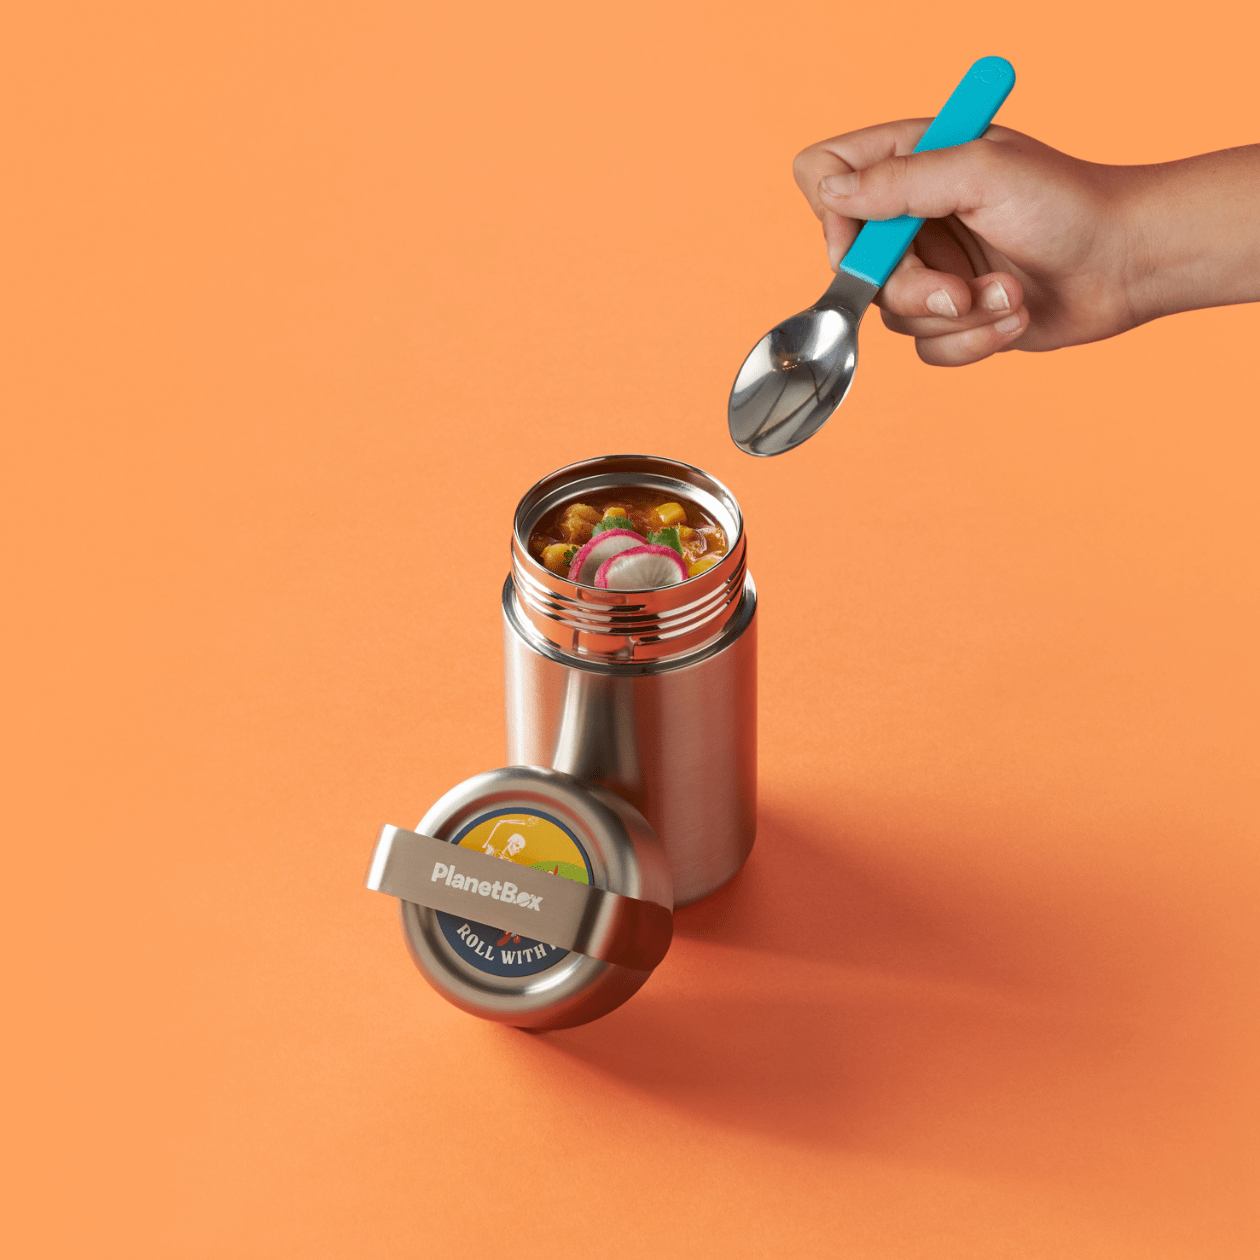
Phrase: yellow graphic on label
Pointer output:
(529, 841)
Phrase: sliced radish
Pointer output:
(641, 568)
(602, 547)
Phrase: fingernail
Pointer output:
(1008, 325)
(840, 185)
(834, 256)
(995, 298)
(940, 303)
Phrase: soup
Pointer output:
(657, 517)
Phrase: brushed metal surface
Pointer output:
(677, 739)
(559, 912)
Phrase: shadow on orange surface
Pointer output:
(1012, 1024)
(981, 904)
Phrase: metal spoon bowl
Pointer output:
(799, 372)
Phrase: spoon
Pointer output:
(799, 372)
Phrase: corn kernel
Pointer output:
(553, 558)
(687, 535)
(616, 511)
(671, 514)
(582, 512)
(703, 565)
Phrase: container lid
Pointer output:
(566, 932)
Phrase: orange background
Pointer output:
(299, 299)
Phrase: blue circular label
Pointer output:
(537, 841)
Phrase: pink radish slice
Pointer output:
(602, 547)
(642, 568)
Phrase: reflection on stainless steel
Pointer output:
(650, 693)
(625, 858)
(800, 371)
(596, 732)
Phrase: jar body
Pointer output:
(676, 739)
(649, 693)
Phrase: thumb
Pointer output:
(927, 185)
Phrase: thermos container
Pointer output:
(651, 694)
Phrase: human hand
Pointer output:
(1023, 245)
(1027, 248)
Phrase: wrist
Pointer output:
(1193, 233)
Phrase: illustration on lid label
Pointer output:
(538, 841)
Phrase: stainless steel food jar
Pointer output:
(653, 693)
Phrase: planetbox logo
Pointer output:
(500, 890)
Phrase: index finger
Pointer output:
(854, 151)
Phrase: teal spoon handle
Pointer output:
(966, 116)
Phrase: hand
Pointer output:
(1027, 248)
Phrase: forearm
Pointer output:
(1194, 233)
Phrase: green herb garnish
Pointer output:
(613, 522)
(667, 537)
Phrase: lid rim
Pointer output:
(625, 858)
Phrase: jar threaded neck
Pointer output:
(594, 623)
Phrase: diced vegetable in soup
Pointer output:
(658, 518)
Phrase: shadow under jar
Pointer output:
(650, 693)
